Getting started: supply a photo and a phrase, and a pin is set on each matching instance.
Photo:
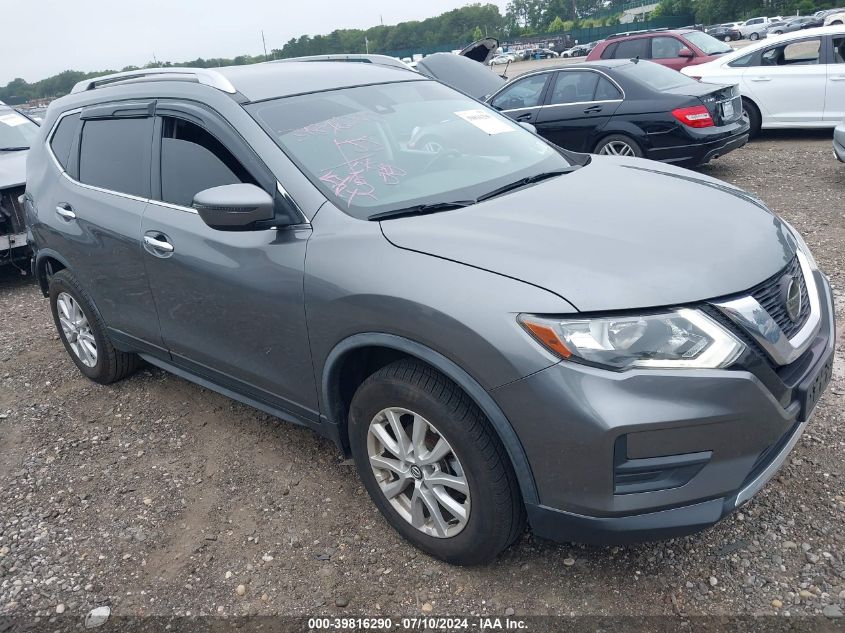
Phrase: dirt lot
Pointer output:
(154, 496)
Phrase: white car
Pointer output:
(502, 59)
(755, 28)
(795, 80)
(837, 19)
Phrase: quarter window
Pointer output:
(112, 155)
(803, 52)
(63, 138)
(525, 93)
(193, 160)
(574, 87)
(665, 47)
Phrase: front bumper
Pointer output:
(582, 428)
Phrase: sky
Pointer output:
(41, 38)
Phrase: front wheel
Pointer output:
(754, 37)
(728, 38)
(619, 145)
(433, 465)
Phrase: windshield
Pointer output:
(655, 76)
(16, 131)
(708, 44)
(373, 149)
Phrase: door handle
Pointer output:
(525, 117)
(160, 245)
(761, 78)
(592, 109)
(65, 211)
(838, 78)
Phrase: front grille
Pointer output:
(768, 295)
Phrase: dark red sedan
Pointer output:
(675, 49)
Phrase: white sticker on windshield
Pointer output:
(12, 120)
(485, 121)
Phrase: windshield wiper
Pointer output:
(13, 149)
(528, 180)
(421, 209)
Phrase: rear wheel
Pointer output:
(752, 113)
(84, 333)
(433, 465)
(618, 145)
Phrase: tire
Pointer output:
(754, 37)
(728, 38)
(81, 329)
(613, 146)
(836, 23)
(492, 508)
(755, 120)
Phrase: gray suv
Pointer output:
(496, 330)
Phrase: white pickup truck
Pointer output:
(755, 28)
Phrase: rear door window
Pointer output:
(193, 160)
(802, 52)
(629, 49)
(607, 91)
(574, 86)
(839, 50)
(114, 155)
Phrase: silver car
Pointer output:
(839, 142)
(498, 331)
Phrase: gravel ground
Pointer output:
(158, 497)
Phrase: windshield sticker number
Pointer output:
(485, 121)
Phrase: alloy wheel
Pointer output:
(76, 329)
(418, 472)
(617, 148)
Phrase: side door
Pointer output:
(834, 108)
(95, 208)
(522, 99)
(578, 103)
(788, 81)
(665, 49)
(230, 303)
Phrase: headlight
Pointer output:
(678, 339)
(801, 244)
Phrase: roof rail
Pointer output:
(205, 76)
(627, 33)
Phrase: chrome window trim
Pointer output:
(753, 318)
(552, 105)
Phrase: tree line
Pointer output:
(452, 29)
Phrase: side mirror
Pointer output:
(685, 52)
(233, 207)
(527, 126)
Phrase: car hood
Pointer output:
(659, 236)
(462, 73)
(481, 50)
(12, 169)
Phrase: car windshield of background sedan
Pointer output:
(709, 45)
(16, 131)
(654, 75)
(379, 148)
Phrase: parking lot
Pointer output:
(155, 496)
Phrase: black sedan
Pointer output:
(725, 33)
(628, 107)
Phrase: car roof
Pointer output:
(269, 80)
(774, 39)
(258, 82)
